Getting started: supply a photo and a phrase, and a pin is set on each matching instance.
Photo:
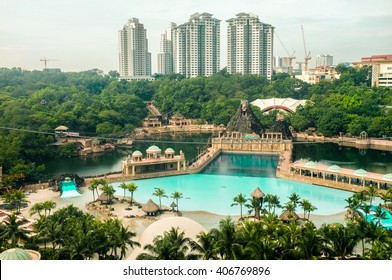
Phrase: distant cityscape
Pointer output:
(192, 49)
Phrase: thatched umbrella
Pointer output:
(173, 205)
(288, 216)
(104, 199)
(150, 207)
(258, 195)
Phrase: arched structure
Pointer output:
(286, 104)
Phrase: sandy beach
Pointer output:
(135, 218)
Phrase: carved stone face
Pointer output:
(244, 105)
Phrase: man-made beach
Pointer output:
(135, 219)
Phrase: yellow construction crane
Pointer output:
(307, 54)
(290, 57)
(45, 60)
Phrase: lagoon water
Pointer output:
(213, 190)
(215, 193)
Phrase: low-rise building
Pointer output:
(318, 74)
(154, 162)
(381, 69)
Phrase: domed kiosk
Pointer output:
(20, 254)
(154, 163)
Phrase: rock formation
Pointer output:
(245, 121)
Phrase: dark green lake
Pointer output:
(329, 153)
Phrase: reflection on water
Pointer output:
(346, 157)
(244, 165)
(329, 153)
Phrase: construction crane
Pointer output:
(45, 60)
(307, 54)
(290, 57)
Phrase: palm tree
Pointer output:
(254, 205)
(94, 187)
(386, 197)
(160, 193)
(13, 230)
(176, 196)
(275, 202)
(37, 208)
(290, 208)
(48, 205)
(226, 239)
(341, 240)
(119, 237)
(108, 190)
(307, 207)
(125, 236)
(371, 192)
(240, 200)
(361, 196)
(295, 199)
(205, 245)
(15, 198)
(123, 186)
(267, 201)
(173, 245)
(132, 188)
(311, 243)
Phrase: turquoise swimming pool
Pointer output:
(215, 193)
(386, 220)
(69, 189)
(213, 189)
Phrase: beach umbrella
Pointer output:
(334, 168)
(387, 177)
(360, 172)
(310, 164)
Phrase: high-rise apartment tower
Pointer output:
(249, 45)
(197, 46)
(135, 60)
(324, 60)
(166, 57)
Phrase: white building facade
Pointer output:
(197, 46)
(323, 60)
(381, 69)
(249, 46)
(134, 58)
(166, 56)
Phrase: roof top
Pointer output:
(61, 127)
(137, 153)
(15, 254)
(257, 193)
(150, 207)
(169, 151)
(153, 149)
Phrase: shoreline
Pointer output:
(139, 223)
(207, 219)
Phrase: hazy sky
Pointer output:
(83, 34)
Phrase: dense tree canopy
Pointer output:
(94, 104)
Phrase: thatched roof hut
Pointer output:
(257, 193)
(173, 205)
(150, 207)
(288, 216)
(104, 199)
